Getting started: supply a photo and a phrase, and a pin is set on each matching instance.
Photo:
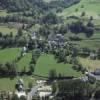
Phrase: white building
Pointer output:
(44, 91)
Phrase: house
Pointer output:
(97, 72)
(56, 41)
(19, 85)
(20, 93)
(93, 56)
(94, 75)
(44, 91)
(24, 51)
(20, 88)
(34, 36)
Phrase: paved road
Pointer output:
(33, 91)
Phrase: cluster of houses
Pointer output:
(6, 95)
(56, 41)
(43, 90)
(53, 42)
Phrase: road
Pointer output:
(33, 91)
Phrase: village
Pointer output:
(43, 88)
(49, 50)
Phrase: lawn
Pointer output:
(47, 62)
(9, 84)
(49, 0)
(24, 62)
(4, 13)
(89, 64)
(93, 42)
(91, 7)
(8, 54)
(7, 30)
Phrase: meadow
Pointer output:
(91, 7)
(4, 13)
(8, 55)
(7, 30)
(8, 84)
(46, 63)
(89, 64)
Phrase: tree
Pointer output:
(61, 56)
(98, 53)
(52, 74)
(91, 18)
(83, 14)
(35, 55)
(50, 18)
(89, 31)
(97, 95)
(90, 24)
(74, 89)
(30, 85)
(54, 88)
(20, 33)
(76, 10)
(76, 27)
(15, 97)
(23, 98)
(31, 68)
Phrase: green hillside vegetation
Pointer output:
(8, 84)
(9, 54)
(53, 32)
(4, 13)
(91, 7)
(91, 65)
(46, 63)
(92, 42)
(7, 30)
(24, 62)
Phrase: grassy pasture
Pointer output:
(4, 13)
(89, 64)
(47, 63)
(91, 8)
(24, 62)
(8, 54)
(92, 42)
(7, 30)
(8, 84)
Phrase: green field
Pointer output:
(91, 65)
(93, 42)
(7, 30)
(91, 7)
(3, 13)
(44, 65)
(24, 62)
(47, 63)
(9, 54)
(7, 84)
(48, 0)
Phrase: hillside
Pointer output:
(91, 7)
(22, 5)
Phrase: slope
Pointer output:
(91, 7)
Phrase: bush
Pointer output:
(75, 38)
